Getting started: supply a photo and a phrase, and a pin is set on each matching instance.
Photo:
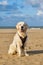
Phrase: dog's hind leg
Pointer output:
(12, 49)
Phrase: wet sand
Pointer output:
(35, 48)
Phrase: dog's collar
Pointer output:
(23, 40)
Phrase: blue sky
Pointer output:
(13, 11)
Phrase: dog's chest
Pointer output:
(23, 40)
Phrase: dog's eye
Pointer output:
(19, 24)
(24, 25)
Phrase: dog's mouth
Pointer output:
(22, 30)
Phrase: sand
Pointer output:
(35, 48)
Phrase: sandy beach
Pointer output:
(35, 48)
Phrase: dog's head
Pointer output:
(22, 27)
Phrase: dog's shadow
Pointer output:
(35, 52)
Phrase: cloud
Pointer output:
(8, 7)
(20, 15)
(35, 3)
(39, 12)
(17, 14)
(4, 2)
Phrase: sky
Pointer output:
(14, 11)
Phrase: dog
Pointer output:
(20, 40)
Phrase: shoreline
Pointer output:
(13, 30)
(7, 30)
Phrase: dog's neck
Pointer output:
(22, 34)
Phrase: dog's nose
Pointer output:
(21, 27)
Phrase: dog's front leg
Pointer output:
(19, 51)
(26, 52)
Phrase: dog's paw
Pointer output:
(26, 54)
(21, 55)
(9, 53)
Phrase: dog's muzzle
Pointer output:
(22, 28)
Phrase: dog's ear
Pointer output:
(26, 26)
(17, 26)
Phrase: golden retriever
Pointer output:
(20, 40)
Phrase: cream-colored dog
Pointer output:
(20, 40)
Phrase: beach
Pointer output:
(34, 48)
